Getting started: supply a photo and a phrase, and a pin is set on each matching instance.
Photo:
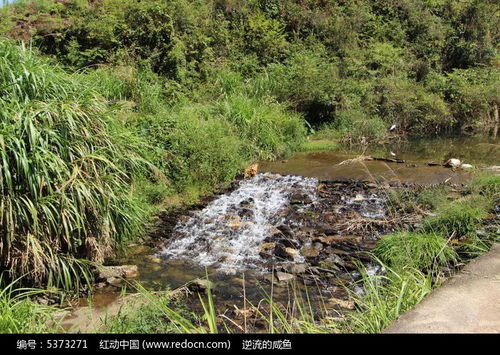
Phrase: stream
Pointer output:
(303, 223)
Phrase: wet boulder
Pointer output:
(231, 217)
(286, 231)
(275, 236)
(200, 285)
(292, 252)
(235, 224)
(317, 246)
(289, 243)
(340, 303)
(115, 281)
(325, 228)
(303, 236)
(340, 239)
(300, 199)
(279, 278)
(332, 262)
(251, 170)
(245, 213)
(284, 277)
(295, 268)
(267, 250)
(283, 252)
(248, 203)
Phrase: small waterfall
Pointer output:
(228, 232)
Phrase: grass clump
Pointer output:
(416, 250)
(146, 319)
(158, 312)
(415, 200)
(460, 217)
(386, 297)
(18, 314)
(486, 184)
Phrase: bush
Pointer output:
(357, 125)
(421, 251)
(412, 108)
(202, 151)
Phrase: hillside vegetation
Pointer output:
(357, 67)
(110, 107)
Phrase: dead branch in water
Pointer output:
(355, 160)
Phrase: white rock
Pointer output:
(452, 163)
(467, 166)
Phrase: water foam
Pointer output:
(228, 232)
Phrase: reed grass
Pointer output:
(65, 171)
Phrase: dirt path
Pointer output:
(467, 303)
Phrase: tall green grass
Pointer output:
(159, 313)
(460, 217)
(66, 169)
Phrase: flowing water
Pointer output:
(227, 233)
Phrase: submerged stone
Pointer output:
(346, 304)
(122, 271)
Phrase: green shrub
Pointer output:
(356, 124)
(412, 108)
(266, 126)
(421, 251)
(426, 66)
(202, 151)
